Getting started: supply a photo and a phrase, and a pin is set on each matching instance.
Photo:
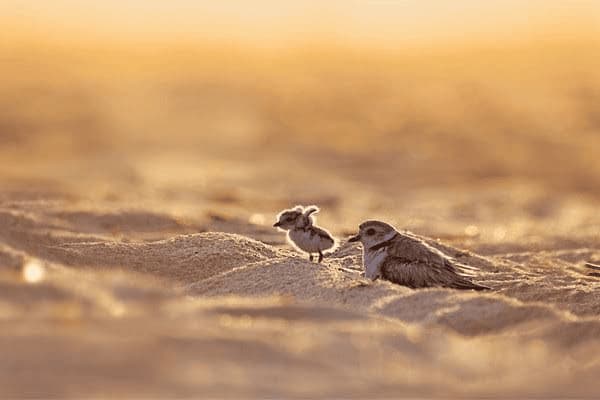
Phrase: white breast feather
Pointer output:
(304, 241)
(372, 260)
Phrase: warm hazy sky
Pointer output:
(271, 21)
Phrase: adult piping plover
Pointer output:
(409, 261)
(302, 233)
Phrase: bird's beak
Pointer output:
(276, 224)
(354, 238)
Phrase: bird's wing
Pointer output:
(311, 210)
(462, 269)
(416, 250)
(315, 230)
(417, 274)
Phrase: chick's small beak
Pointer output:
(276, 224)
(354, 238)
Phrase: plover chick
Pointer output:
(409, 261)
(302, 233)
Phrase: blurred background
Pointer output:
(469, 118)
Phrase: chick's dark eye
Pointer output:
(289, 219)
(370, 232)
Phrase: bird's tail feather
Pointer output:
(592, 266)
(465, 266)
(464, 269)
(334, 247)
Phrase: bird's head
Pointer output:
(371, 233)
(289, 219)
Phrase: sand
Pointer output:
(225, 315)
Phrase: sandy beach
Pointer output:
(139, 186)
(225, 315)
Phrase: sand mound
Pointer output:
(299, 278)
(183, 258)
(468, 314)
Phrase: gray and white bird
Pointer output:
(409, 261)
(302, 233)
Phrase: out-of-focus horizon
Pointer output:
(413, 93)
(370, 23)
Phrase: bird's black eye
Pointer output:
(370, 231)
(289, 218)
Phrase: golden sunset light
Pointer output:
(300, 199)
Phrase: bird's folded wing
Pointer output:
(463, 269)
(413, 249)
(315, 230)
(416, 274)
